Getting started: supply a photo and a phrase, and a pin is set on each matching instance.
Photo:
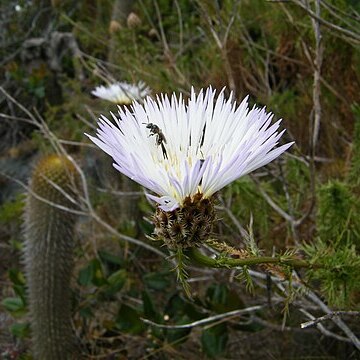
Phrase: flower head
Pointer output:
(122, 93)
(185, 151)
(177, 149)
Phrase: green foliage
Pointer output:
(110, 260)
(250, 243)
(64, 118)
(18, 282)
(338, 214)
(244, 275)
(20, 330)
(354, 173)
(159, 280)
(92, 274)
(150, 311)
(106, 274)
(214, 339)
(221, 299)
(334, 253)
(116, 281)
(15, 305)
(285, 102)
(337, 269)
(128, 320)
(12, 210)
(36, 86)
(247, 202)
(298, 179)
(180, 312)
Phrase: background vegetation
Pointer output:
(301, 59)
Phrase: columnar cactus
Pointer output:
(49, 242)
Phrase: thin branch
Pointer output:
(77, 143)
(126, 238)
(355, 37)
(273, 205)
(221, 43)
(347, 34)
(319, 50)
(25, 120)
(88, 209)
(233, 218)
(325, 331)
(313, 300)
(208, 319)
(167, 51)
(104, 224)
(290, 206)
(181, 28)
(328, 316)
(339, 14)
(337, 321)
(38, 197)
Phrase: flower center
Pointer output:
(188, 226)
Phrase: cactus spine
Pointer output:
(49, 242)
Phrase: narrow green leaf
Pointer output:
(13, 304)
(20, 330)
(214, 340)
(128, 320)
(157, 281)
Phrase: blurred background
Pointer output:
(298, 58)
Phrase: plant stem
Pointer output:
(224, 262)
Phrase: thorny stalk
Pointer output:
(228, 262)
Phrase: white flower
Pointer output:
(178, 148)
(122, 93)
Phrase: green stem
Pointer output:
(196, 256)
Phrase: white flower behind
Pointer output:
(122, 93)
(178, 148)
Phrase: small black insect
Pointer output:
(160, 137)
(155, 130)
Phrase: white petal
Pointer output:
(199, 145)
(121, 92)
(166, 203)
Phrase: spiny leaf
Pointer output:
(246, 277)
(181, 272)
